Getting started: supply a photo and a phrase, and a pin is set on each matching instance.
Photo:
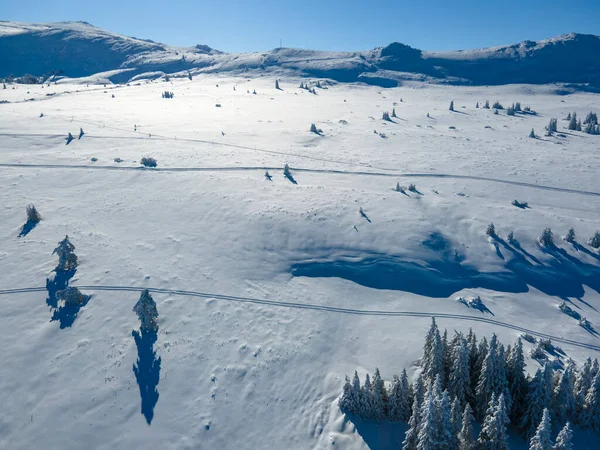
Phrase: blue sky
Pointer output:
(237, 25)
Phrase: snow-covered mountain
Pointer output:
(78, 49)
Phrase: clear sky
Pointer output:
(247, 25)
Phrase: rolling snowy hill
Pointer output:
(270, 292)
(78, 49)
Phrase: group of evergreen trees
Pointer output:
(590, 124)
(462, 379)
(546, 239)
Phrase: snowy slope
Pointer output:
(78, 49)
(254, 340)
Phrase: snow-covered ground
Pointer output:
(254, 338)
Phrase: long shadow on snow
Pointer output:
(27, 228)
(563, 276)
(147, 371)
(379, 435)
(66, 314)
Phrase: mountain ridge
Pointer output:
(79, 49)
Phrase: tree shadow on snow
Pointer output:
(444, 273)
(379, 435)
(147, 371)
(67, 313)
(58, 283)
(27, 228)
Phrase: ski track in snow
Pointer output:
(315, 307)
(324, 171)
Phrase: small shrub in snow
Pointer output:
(532, 134)
(529, 338)
(538, 352)
(386, 116)
(314, 129)
(167, 94)
(94, 159)
(81, 133)
(268, 176)
(148, 161)
(583, 322)
(118, 160)
(510, 237)
(33, 216)
(451, 108)
(412, 188)
(477, 105)
(254, 92)
(594, 241)
(399, 188)
(72, 296)
(519, 204)
(546, 239)
(491, 230)
(496, 112)
(570, 237)
(69, 138)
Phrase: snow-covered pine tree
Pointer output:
(459, 380)
(446, 436)
(451, 106)
(594, 241)
(366, 397)
(394, 112)
(69, 138)
(486, 105)
(546, 239)
(532, 134)
(548, 374)
(534, 405)
(466, 437)
(276, 84)
(487, 385)
(491, 230)
(411, 438)
(456, 422)
(344, 401)
(428, 426)
(564, 438)
(67, 259)
(578, 127)
(394, 400)
(350, 400)
(541, 440)
(568, 116)
(591, 407)
(563, 400)
(477, 105)
(517, 383)
(386, 116)
(493, 434)
(81, 133)
(573, 122)
(146, 311)
(570, 236)
(583, 381)
(418, 392)
(380, 400)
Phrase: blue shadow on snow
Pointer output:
(147, 371)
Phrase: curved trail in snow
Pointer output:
(323, 171)
(323, 308)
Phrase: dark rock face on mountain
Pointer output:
(78, 49)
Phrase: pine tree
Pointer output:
(366, 397)
(69, 138)
(486, 105)
(573, 122)
(81, 133)
(532, 134)
(445, 435)
(67, 259)
(578, 127)
(411, 438)
(459, 382)
(276, 84)
(490, 230)
(350, 400)
(594, 241)
(517, 383)
(477, 105)
(146, 311)
(452, 105)
(394, 112)
(380, 399)
(456, 422)
(534, 405)
(570, 237)
(395, 413)
(487, 384)
(591, 407)
(428, 427)
(433, 356)
(546, 239)
(563, 401)
(548, 374)
(569, 116)
(493, 434)
(583, 381)
(418, 392)
(33, 216)
(466, 439)
(404, 401)
(541, 439)
(563, 440)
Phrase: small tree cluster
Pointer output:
(486, 105)
(552, 126)
(510, 111)
(546, 239)
(167, 94)
(594, 241)
(147, 161)
(386, 116)
(461, 375)
(497, 105)
(72, 296)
